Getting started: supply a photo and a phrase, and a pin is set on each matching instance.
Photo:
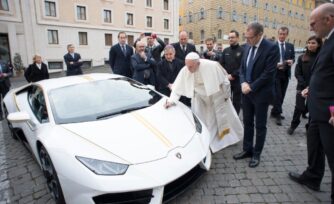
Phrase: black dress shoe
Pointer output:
(282, 117)
(242, 155)
(299, 179)
(254, 162)
(279, 121)
(1, 117)
(290, 130)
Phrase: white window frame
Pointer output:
(169, 23)
(126, 2)
(126, 18)
(57, 9)
(111, 16)
(9, 7)
(149, 6)
(151, 22)
(76, 13)
(163, 5)
(79, 39)
(112, 39)
(47, 33)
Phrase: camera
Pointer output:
(147, 34)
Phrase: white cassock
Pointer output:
(209, 90)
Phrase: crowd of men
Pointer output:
(257, 74)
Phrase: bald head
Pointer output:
(183, 37)
(322, 20)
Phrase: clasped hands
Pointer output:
(245, 88)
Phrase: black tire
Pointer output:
(51, 176)
(10, 127)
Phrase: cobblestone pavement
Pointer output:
(229, 181)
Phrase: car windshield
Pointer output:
(98, 100)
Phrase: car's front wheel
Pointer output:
(51, 176)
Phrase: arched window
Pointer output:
(190, 17)
(220, 13)
(245, 18)
(202, 35)
(202, 13)
(191, 35)
(234, 15)
(255, 18)
(220, 34)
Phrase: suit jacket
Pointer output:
(321, 87)
(33, 73)
(156, 51)
(303, 70)
(75, 68)
(4, 81)
(263, 73)
(166, 76)
(141, 68)
(120, 63)
(214, 58)
(179, 52)
(289, 55)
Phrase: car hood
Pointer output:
(139, 136)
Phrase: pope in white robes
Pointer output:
(206, 83)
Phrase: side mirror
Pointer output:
(18, 117)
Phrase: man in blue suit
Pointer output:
(120, 56)
(287, 58)
(257, 74)
(73, 61)
(143, 65)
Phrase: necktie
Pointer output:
(0, 68)
(184, 48)
(282, 52)
(124, 50)
(250, 65)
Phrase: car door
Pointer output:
(36, 108)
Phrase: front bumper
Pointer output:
(158, 178)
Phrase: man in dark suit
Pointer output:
(320, 96)
(167, 70)
(231, 61)
(37, 71)
(143, 65)
(5, 73)
(287, 58)
(182, 48)
(210, 53)
(120, 56)
(257, 72)
(73, 61)
(152, 48)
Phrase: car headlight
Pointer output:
(103, 167)
(197, 124)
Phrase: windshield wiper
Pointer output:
(120, 112)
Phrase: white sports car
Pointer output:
(104, 138)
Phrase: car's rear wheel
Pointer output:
(10, 126)
(51, 176)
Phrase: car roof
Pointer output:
(71, 80)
